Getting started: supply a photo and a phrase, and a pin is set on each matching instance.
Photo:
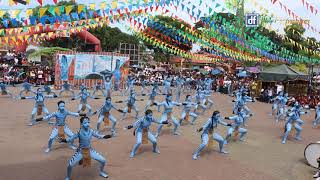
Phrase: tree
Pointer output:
(110, 38)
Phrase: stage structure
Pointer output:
(133, 50)
(87, 67)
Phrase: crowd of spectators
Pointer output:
(14, 68)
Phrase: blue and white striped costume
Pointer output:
(60, 121)
(106, 108)
(238, 121)
(139, 125)
(317, 116)
(66, 87)
(85, 137)
(187, 106)
(168, 107)
(210, 125)
(293, 121)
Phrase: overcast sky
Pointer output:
(294, 5)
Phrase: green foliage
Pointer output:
(47, 52)
(36, 10)
(110, 38)
(301, 67)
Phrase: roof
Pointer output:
(282, 73)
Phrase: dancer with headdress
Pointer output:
(60, 127)
(143, 133)
(4, 90)
(98, 87)
(208, 134)
(39, 106)
(186, 112)
(26, 88)
(295, 121)
(167, 114)
(85, 151)
(105, 116)
(236, 128)
(66, 87)
(84, 95)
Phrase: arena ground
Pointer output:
(260, 157)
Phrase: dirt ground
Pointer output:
(260, 157)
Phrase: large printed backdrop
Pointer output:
(75, 67)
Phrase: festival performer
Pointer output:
(82, 86)
(39, 105)
(179, 84)
(143, 133)
(98, 87)
(4, 90)
(152, 96)
(143, 85)
(117, 75)
(84, 95)
(105, 115)
(85, 152)
(208, 84)
(66, 87)
(130, 84)
(26, 87)
(167, 85)
(207, 94)
(281, 113)
(276, 102)
(242, 101)
(294, 120)
(207, 134)
(186, 113)
(167, 114)
(200, 100)
(107, 85)
(48, 90)
(317, 116)
(60, 127)
(236, 126)
(131, 104)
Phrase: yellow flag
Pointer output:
(42, 11)
(15, 13)
(69, 9)
(114, 4)
(28, 1)
(13, 39)
(80, 8)
(29, 12)
(21, 38)
(103, 5)
(11, 3)
(2, 13)
(92, 6)
(50, 34)
(6, 39)
(26, 37)
(57, 10)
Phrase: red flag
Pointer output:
(311, 8)
(40, 2)
(55, 1)
(273, 1)
(307, 5)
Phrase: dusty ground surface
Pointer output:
(262, 156)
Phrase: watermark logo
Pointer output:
(252, 20)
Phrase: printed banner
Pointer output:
(80, 66)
